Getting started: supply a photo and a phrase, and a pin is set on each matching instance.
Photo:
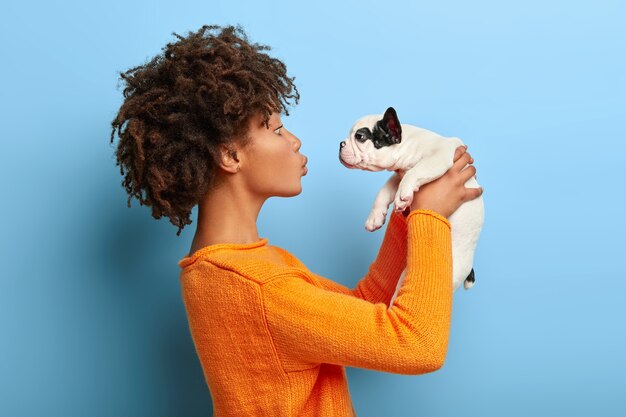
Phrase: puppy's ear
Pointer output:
(391, 125)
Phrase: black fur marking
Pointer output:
(363, 134)
(388, 130)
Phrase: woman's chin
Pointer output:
(290, 193)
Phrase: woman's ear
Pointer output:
(228, 159)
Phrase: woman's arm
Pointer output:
(379, 284)
(316, 325)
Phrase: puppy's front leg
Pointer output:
(424, 172)
(383, 199)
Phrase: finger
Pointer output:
(458, 152)
(467, 173)
(460, 163)
(472, 193)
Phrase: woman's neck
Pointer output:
(227, 215)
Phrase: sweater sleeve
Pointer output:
(315, 325)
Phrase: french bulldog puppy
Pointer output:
(416, 156)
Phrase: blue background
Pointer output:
(90, 311)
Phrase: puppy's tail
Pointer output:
(469, 281)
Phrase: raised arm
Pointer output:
(316, 325)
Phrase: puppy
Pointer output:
(416, 156)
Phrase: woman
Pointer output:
(203, 126)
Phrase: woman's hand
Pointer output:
(446, 194)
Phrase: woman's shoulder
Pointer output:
(260, 265)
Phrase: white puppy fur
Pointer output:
(417, 156)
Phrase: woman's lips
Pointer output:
(305, 170)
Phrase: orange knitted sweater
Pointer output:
(273, 338)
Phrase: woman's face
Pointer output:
(272, 164)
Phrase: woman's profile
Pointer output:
(201, 125)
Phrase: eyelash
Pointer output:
(277, 129)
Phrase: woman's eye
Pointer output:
(278, 128)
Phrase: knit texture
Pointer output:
(273, 338)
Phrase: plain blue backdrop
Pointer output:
(92, 322)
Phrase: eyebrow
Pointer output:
(270, 123)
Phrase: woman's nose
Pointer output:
(297, 142)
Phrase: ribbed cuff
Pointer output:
(429, 212)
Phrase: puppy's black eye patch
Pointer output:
(363, 134)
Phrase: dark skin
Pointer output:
(446, 194)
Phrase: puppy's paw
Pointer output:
(402, 200)
(399, 205)
(375, 220)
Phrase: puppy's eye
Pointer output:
(362, 134)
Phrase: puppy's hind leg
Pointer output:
(384, 198)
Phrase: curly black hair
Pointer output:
(181, 105)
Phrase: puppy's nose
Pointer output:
(342, 144)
